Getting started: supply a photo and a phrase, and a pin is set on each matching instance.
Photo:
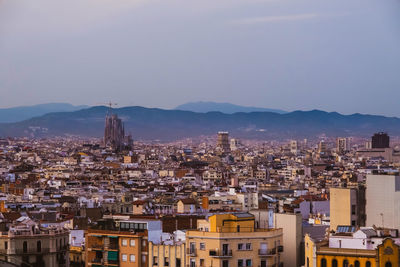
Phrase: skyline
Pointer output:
(306, 55)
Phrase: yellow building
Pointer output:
(76, 256)
(162, 255)
(351, 252)
(232, 239)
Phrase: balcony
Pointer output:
(111, 247)
(97, 261)
(112, 263)
(191, 252)
(221, 253)
(266, 252)
(97, 247)
(33, 251)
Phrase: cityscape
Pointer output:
(213, 201)
(212, 133)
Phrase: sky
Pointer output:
(337, 55)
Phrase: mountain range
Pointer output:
(228, 108)
(167, 125)
(21, 113)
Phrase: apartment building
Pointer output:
(347, 207)
(111, 245)
(26, 243)
(167, 255)
(383, 199)
(231, 239)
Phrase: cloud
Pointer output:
(273, 19)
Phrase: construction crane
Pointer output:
(109, 104)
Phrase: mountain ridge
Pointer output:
(20, 113)
(228, 108)
(168, 125)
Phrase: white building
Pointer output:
(383, 200)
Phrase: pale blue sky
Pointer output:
(336, 55)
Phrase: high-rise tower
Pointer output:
(380, 140)
(223, 142)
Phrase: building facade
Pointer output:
(26, 243)
(109, 245)
(383, 200)
(167, 255)
(364, 248)
(232, 239)
(347, 207)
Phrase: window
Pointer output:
(248, 263)
(323, 262)
(345, 263)
(356, 264)
(166, 261)
(178, 263)
(238, 228)
(240, 263)
(225, 263)
(334, 263)
(353, 223)
(308, 262)
(202, 262)
(388, 264)
(353, 209)
(124, 257)
(144, 259)
(368, 264)
(248, 246)
(132, 242)
(39, 246)
(124, 242)
(202, 246)
(155, 260)
(5, 245)
(25, 247)
(192, 247)
(240, 246)
(144, 243)
(132, 258)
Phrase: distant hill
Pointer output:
(26, 112)
(204, 107)
(166, 125)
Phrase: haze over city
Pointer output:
(337, 55)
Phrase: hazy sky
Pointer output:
(337, 55)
